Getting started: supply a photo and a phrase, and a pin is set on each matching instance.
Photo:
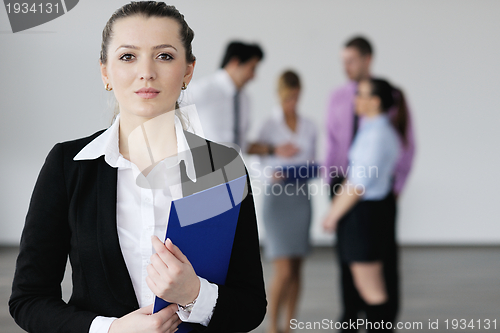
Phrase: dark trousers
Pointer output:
(352, 303)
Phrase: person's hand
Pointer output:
(170, 274)
(278, 176)
(142, 321)
(330, 223)
(286, 150)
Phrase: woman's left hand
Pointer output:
(170, 274)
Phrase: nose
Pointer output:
(147, 70)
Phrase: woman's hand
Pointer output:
(170, 274)
(286, 150)
(142, 321)
(278, 176)
(330, 223)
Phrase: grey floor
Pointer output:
(438, 283)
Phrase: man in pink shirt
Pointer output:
(342, 124)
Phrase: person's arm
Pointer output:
(367, 154)
(341, 204)
(331, 138)
(314, 142)
(142, 321)
(203, 309)
(264, 146)
(241, 303)
(101, 324)
(285, 150)
(257, 148)
(171, 276)
(36, 301)
(405, 161)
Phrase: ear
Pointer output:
(104, 73)
(189, 72)
(234, 62)
(368, 60)
(376, 102)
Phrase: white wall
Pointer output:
(443, 53)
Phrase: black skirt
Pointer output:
(367, 232)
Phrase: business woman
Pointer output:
(105, 199)
(364, 210)
(287, 206)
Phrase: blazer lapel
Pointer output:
(202, 165)
(214, 165)
(111, 256)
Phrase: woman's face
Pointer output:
(146, 53)
(365, 103)
(289, 97)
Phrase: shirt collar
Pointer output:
(107, 144)
(279, 115)
(379, 119)
(226, 82)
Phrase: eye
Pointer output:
(126, 57)
(165, 56)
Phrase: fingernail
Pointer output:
(168, 240)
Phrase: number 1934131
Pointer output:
(25, 8)
(479, 324)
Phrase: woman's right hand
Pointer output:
(286, 150)
(330, 223)
(142, 321)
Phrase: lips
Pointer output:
(147, 93)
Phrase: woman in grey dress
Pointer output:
(287, 206)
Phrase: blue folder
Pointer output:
(300, 172)
(203, 225)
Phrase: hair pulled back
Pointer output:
(288, 80)
(148, 9)
(389, 97)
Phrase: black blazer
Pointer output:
(73, 212)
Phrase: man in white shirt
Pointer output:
(221, 100)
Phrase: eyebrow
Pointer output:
(161, 46)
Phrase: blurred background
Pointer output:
(443, 54)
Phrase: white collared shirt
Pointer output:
(142, 211)
(213, 97)
(276, 132)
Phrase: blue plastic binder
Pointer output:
(300, 172)
(203, 226)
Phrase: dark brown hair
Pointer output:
(391, 96)
(241, 51)
(288, 80)
(361, 44)
(148, 9)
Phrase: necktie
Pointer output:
(236, 123)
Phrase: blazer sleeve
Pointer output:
(241, 304)
(36, 301)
